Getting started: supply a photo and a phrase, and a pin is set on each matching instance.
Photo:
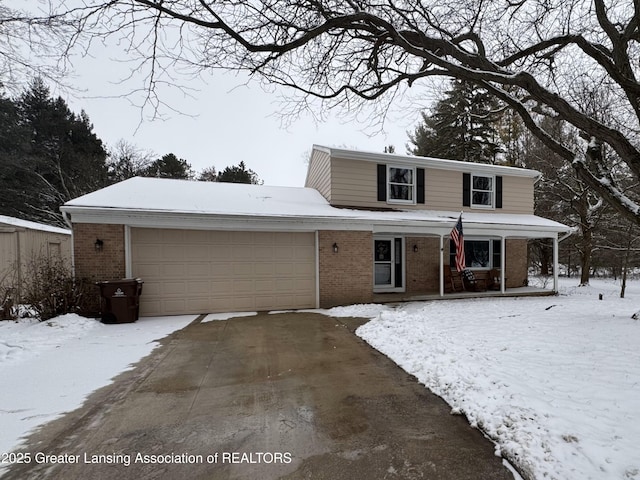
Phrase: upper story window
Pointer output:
(482, 191)
(401, 184)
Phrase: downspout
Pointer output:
(441, 265)
(67, 219)
(503, 264)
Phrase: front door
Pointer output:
(388, 264)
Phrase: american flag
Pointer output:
(458, 239)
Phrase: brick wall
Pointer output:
(516, 263)
(345, 277)
(107, 264)
(423, 266)
(94, 266)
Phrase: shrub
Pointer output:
(50, 289)
(8, 308)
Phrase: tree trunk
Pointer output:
(625, 263)
(585, 257)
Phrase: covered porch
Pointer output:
(495, 248)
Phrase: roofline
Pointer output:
(216, 221)
(428, 162)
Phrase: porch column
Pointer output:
(441, 266)
(555, 264)
(503, 262)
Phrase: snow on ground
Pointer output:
(554, 381)
(49, 368)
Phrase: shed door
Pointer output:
(199, 271)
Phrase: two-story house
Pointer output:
(366, 227)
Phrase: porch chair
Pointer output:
(452, 280)
(494, 279)
(471, 283)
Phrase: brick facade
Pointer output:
(92, 265)
(516, 263)
(107, 264)
(422, 265)
(346, 277)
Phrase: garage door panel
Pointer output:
(221, 252)
(243, 286)
(173, 269)
(212, 271)
(196, 252)
(265, 269)
(197, 270)
(242, 252)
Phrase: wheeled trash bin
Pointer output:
(120, 300)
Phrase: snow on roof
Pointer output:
(141, 195)
(187, 196)
(17, 222)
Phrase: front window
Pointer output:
(482, 191)
(401, 184)
(480, 254)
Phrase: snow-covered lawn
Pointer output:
(554, 381)
(49, 368)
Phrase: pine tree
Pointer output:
(170, 166)
(54, 156)
(463, 126)
(239, 174)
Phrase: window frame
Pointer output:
(492, 192)
(493, 241)
(413, 185)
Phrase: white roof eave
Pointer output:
(427, 162)
(343, 220)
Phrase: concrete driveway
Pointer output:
(290, 395)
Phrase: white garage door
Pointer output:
(199, 271)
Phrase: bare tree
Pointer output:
(126, 161)
(350, 52)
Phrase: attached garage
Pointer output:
(200, 271)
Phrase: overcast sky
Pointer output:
(230, 122)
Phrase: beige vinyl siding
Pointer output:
(442, 190)
(354, 184)
(319, 173)
(517, 195)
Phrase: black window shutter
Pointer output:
(420, 185)
(382, 183)
(498, 192)
(466, 189)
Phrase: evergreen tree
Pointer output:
(54, 156)
(170, 166)
(463, 126)
(14, 146)
(239, 174)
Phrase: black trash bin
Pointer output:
(120, 300)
